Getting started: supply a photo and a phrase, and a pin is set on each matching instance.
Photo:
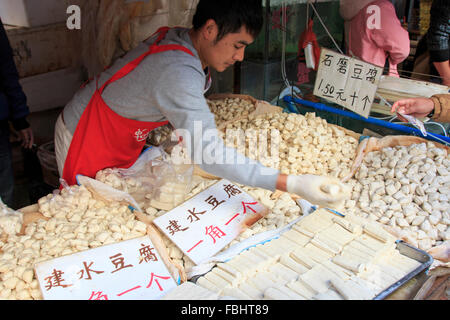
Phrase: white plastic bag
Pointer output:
(107, 192)
(155, 180)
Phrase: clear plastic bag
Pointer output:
(172, 181)
(135, 181)
(10, 220)
(156, 179)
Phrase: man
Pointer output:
(163, 80)
(376, 44)
(438, 39)
(13, 107)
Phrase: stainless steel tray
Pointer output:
(411, 252)
(405, 249)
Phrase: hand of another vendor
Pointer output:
(416, 107)
(319, 190)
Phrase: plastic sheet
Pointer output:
(10, 220)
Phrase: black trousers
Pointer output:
(6, 170)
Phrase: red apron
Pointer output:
(104, 139)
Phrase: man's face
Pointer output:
(226, 52)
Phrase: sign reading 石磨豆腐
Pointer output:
(347, 81)
(130, 269)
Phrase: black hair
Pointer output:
(230, 16)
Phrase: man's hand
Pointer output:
(319, 190)
(416, 107)
(27, 138)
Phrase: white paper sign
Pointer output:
(205, 224)
(126, 270)
(347, 81)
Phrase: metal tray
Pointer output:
(405, 249)
(411, 252)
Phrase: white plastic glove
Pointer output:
(319, 190)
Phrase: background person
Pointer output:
(14, 109)
(388, 42)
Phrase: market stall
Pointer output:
(385, 236)
(165, 229)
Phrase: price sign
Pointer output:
(126, 270)
(347, 81)
(209, 221)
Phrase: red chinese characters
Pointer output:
(119, 262)
(147, 254)
(87, 269)
(56, 280)
(89, 272)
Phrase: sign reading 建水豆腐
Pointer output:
(209, 221)
(130, 269)
(347, 81)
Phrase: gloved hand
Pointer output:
(319, 190)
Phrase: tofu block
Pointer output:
(323, 246)
(236, 293)
(261, 282)
(275, 294)
(341, 272)
(216, 280)
(301, 257)
(313, 282)
(230, 270)
(376, 231)
(233, 281)
(352, 252)
(283, 272)
(293, 265)
(336, 246)
(316, 253)
(205, 283)
(251, 291)
(297, 237)
(301, 289)
(292, 294)
(303, 231)
(348, 225)
(347, 292)
(348, 263)
(328, 295)
(161, 205)
(258, 251)
(338, 234)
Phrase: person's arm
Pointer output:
(10, 86)
(443, 68)
(422, 107)
(186, 109)
(441, 104)
(181, 100)
(391, 37)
